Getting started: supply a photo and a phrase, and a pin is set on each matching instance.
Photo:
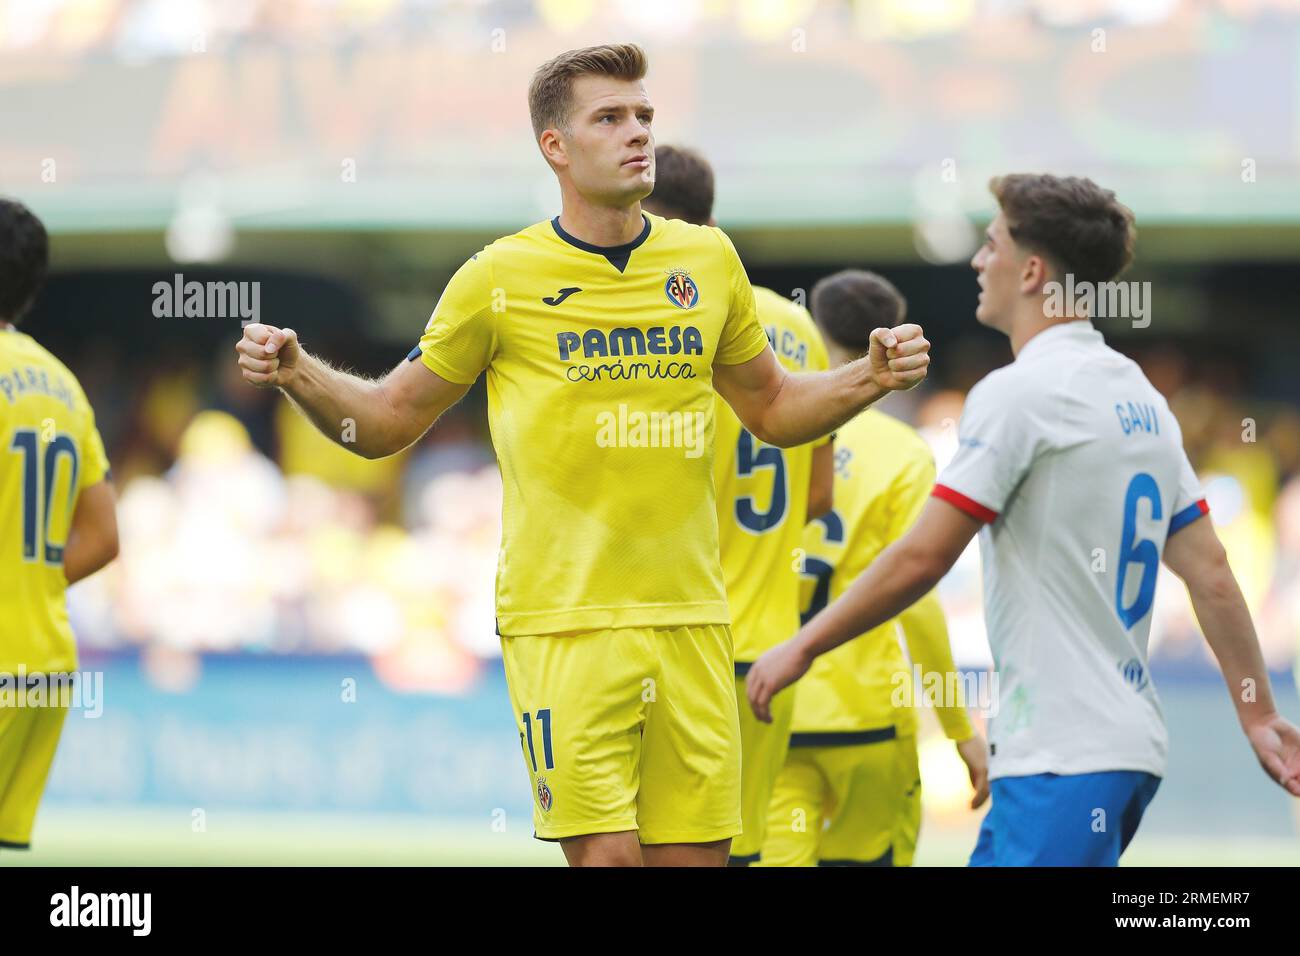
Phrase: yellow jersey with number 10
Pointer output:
(763, 496)
(51, 451)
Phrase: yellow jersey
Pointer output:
(600, 392)
(884, 473)
(763, 496)
(51, 451)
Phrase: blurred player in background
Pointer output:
(1071, 467)
(57, 526)
(765, 496)
(852, 776)
(604, 332)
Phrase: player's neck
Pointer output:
(601, 225)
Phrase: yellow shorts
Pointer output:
(29, 737)
(633, 728)
(762, 755)
(855, 804)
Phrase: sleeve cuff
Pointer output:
(964, 504)
(753, 352)
(438, 367)
(1189, 514)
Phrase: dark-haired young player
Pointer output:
(1067, 450)
(57, 526)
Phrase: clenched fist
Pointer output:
(900, 357)
(267, 355)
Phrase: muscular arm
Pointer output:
(387, 414)
(790, 408)
(92, 537)
(1196, 555)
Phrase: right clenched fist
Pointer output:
(267, 355)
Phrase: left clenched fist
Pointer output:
(899, 357)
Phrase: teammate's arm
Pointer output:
(387, 414)
(790, 408)
(821, 482)
(926, 631)
(1196, 555)
(903, 573)
(92, 536)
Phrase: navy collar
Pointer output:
(618, 256)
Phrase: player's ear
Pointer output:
(1034, 275)
(552, 146)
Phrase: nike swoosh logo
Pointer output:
(560, 296)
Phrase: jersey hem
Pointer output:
(528, 623)
(1031, 768)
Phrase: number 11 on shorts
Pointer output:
(544, 721)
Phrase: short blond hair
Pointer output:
(550, 95)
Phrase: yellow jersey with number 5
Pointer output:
(762, 494)
(884, 472)
(49, 451)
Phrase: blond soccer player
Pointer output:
(604, 333)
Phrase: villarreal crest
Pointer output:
(543, 795)
(681, 289)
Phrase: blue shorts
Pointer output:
(1049, 819)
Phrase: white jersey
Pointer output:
(1076, 465)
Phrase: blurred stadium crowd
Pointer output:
(138, 29)
(243, 530)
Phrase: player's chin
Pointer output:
(637, 184)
